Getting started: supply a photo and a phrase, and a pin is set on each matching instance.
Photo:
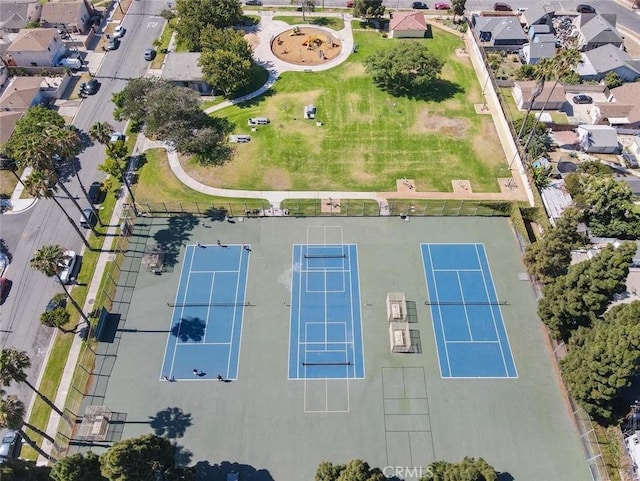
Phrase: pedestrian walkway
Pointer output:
(16, 203)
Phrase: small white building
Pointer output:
(598, 139)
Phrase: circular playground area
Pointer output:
(306, 46)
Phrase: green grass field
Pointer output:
(368, 138)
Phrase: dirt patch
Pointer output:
(306, 46)
(487, 145)
(354, 70)
(253, 40)
(278, 179)
(429, 122)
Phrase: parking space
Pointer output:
(581, 112)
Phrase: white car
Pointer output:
(119, 31)
(68, 267)
(4, 262)
(116, 137)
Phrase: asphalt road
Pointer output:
(44, 224)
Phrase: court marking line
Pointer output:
(246, 280)
(444, 337)
(474, 342)
(464, 304)
(181, 343)
(214, 272)
(166, 349)
(457, 270)
(235, 316)
(501, 317)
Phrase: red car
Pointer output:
(442, 6)
(5, 285)
(350, 4)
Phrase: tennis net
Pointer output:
(325, 256)
(348, 363)
(465, 303)
(207, 304)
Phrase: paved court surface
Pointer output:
(402, 413)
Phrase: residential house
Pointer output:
(629, 94)
(611, 113)
(552, 97)
(16, 15)
(36, 47)
(70, 14)
(407, 25)
(595, 30)
(501, 33)
(22, 93)
(556, 199)
(536, 15)
(542, 46)
(8, 121)
(181, 68)
(538, 30)
(598, 139)
(597, 63)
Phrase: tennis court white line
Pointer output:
(457, 270)
(324, 343)
(199, 271)
(466, 313)
(181, 343)
(473, 342)
(484, 280)
(444, 337)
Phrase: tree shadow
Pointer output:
(189, 329)
(505, 477)
(219, 472)
(255, 101)
(171, 239)
(216, 213)
(439, 90)
(171, 422)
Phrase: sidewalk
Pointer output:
(92, 293)
(15, 204)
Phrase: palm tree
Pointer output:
(47, 260)
(101, 132)
(12, 417)
(39, 185)
(12, 368)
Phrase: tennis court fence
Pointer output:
(345, 208)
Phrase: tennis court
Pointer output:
(471, 338)
(206, 324)
(325, 339)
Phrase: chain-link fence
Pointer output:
(83, 374)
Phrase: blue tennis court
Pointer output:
(471, 338)
(325, 339)
(206, 324)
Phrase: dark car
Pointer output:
(149, 54)
(59, 301)
(309, 7)
(5, 287)
(257, 3)
(95, 193)
(582, 99)
(502, 7)
(10, 446)
(419, 6)
(583, 8)
(91, 87)
(88, 218)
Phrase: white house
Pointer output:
(551, 98)
(36, 47)
(598, 139)
(597, 63)
(72, 14)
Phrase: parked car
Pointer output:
(88, 218)
(582, 99)
(68, 267)
(113, 43)
(419, 6)
(91, 87)
(583, 8)
(149, 54)
(502, 7)
(442, 6)
(350, 4)
(119, 31)
(116, 136)
(95, 193)
(256, 3)
(629, 160)
(10, 446)
(5, 287)
(4, 262)
(59, 301)
(309, 7)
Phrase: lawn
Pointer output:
(333, 23)
(368, 138)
